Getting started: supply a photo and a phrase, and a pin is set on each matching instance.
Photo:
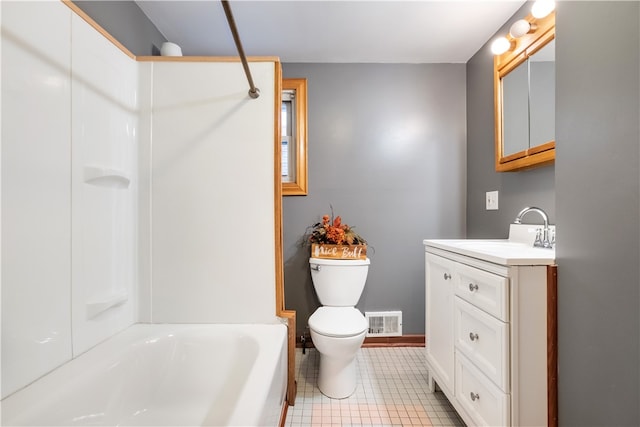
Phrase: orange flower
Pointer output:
(333, 231)
(335, 235)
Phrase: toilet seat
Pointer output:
(339, 322)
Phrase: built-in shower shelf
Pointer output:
(106, 177)
(98, 306)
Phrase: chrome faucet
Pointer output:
(544, 242)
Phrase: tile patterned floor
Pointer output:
(392, 391)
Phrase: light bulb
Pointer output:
(542, 8)
(500, 46)
(519, 28)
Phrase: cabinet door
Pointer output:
(484, 340)
(439, 319)
(485, 403)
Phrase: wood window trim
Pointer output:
(299, 186)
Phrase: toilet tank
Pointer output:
(339, 282)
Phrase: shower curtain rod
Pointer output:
(254, 92)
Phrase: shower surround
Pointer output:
(130, 187)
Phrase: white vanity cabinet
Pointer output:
(488, 336)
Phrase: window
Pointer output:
(293, 122)
(288, 138)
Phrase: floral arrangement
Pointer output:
(333, 232)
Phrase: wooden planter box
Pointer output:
(338, 251)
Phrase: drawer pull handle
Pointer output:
(474, 396)
(473, 287)
(473, 336)
(447, 276)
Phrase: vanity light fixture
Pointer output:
(539, 10)
(520, 28)
(542, 8)
(500, 46)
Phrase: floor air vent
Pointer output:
(384, 323)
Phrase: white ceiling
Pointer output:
(391, 31)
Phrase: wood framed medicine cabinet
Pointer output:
(524, 99)
(294, 137)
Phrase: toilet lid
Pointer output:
(338, 321)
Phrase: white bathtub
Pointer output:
(164, 375)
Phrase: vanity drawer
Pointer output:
(485, 403)
(485, 290)
(484, 340)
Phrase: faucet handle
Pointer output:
(538, 242)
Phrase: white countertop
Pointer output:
(511, 251)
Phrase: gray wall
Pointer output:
(593, 193)
(535, 187)
(125, 21)
(597, 193)
(387, 150)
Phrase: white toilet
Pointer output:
(338, 328)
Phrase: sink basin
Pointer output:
(481, 244)
(517, 250)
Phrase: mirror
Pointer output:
(515, 110)
(524, 90)
(293, 125)
(542, 96)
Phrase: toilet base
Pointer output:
(337, 374)
(337, 377)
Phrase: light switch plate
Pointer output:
(492, 200)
